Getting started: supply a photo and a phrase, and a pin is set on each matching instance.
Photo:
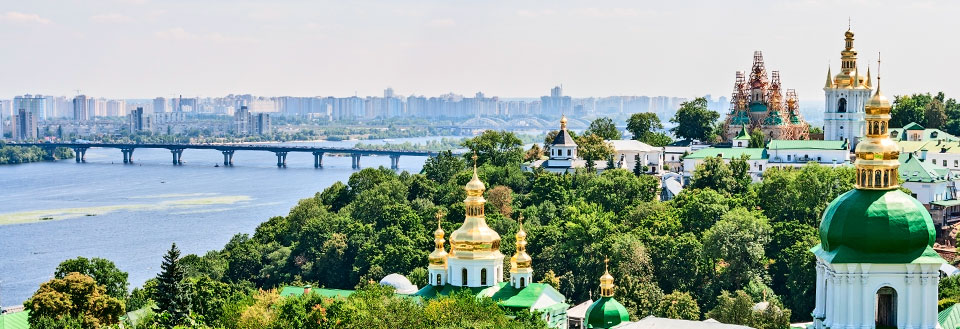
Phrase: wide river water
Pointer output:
(130, 214)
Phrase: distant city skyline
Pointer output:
(141, 49)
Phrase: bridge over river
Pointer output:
(176, 149)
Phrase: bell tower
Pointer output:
(846, 95)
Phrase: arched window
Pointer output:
(569, 152)
(463, 277)
(483, 277)
(522, 283)
(883, 128)
(842, 106)
(876, 178)
(886, 178)
(438, 279)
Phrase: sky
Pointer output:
(518, 48)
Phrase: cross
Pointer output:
(439, 217)
(520, 219)
(606, 264)
(848, 23)
(878, 70)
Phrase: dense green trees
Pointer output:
(103, 271)
(17, 154)
(646, 127)
(605, 128)
(74, 299)
(499, 148)
(695, 121)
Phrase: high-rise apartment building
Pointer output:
(25, 125)
(159, 105)
(137, 121)
(246, 123)
(35, 104)
(80, 108)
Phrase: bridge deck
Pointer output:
(237, 147)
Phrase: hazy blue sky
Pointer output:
(148, 48)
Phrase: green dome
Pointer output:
(876, 226)
(606, 312)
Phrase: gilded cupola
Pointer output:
(474, 239)
(606, 281)
(877, 155)
(520, 259)
(438, 258)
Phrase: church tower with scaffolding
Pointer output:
(758, 102)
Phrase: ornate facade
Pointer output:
(759, 102)
(876, 266)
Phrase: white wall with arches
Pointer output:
(852, 296)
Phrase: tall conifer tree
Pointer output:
(173, 299)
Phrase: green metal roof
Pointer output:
(728, 153)
(876, 226)
(298, 291)
(780, 144)
(606, 312)
(743, 134)
(946, 203)
(758, 107)
(913, 126)
(503, 293)
(949, 318)
(16, 320)
(916, 171)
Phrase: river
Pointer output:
(130, 214)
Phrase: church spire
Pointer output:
(869, 80)
(438, 258)
(829, 83)
(877, 156)
(521, 269)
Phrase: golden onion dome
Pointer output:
(563, 121)
(606, 281)
(474, 239)
(438, 258)
(848, 34)
(878, 104)
(520, 259)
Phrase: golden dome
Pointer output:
(438, 257)
(606, 281)
(848, 34)
(877, 161)
(878, 104)
(474, 239)
(520, 259)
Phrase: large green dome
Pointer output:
(606, 312)
(876, 226)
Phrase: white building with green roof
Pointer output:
(777, 153)
(875, 263)
(915, 132)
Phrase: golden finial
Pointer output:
(563, 122)
(520, 259)
(439, 218)
(438, 258)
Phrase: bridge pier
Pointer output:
(394, 161)
(127, 155)
(355, 163)
(318, 159)
(281, 159)
(80, 153)
(227, 157)
(177, 156)
(49, 153)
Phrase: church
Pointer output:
(875, 264)
(846, 96)
(759, 103)
(476, 264)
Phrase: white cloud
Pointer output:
(179, 34)
(18, 17)
(111, 18)
(442, 22)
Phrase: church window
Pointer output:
(842, 105)
(438, 279)
(522, 283)
(463, 277)
(483, 277)
(886, 178)
(568, 152)
(883, 128)
(876, 178)
(944, 162)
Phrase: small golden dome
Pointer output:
(563, 121)
(878, 104)
(848, 34)
(520, 259)
(438, 257)
(475, 187)
(606, 281)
